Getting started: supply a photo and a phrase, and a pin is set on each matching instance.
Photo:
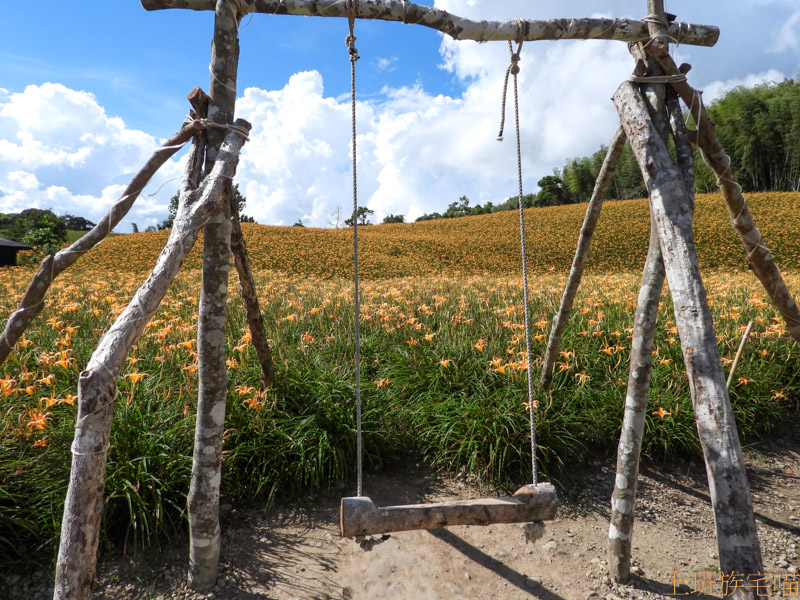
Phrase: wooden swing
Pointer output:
(532, 503)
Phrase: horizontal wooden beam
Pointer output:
(624, 30)
(360, 516)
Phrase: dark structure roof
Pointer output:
(15, 245)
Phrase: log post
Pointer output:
(459, 28)
(742, 221)
(32, 302)
(83, 507)
(560, 319)
(672, 211)
(247, 285)
(204, 490)
(200, 102)
(623, 497)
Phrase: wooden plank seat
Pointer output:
(360, 516)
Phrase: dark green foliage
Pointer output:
(77, 223)
(552, 192)
(363, 214)
(760, 129)
(394, 219)
(35, 227)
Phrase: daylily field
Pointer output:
(443, 371)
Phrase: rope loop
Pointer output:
(513, 69)
(350, 40)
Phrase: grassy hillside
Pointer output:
(486, 243)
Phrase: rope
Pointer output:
(513, 69)
(350, 42)
(657, 78)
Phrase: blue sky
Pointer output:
(88, 89)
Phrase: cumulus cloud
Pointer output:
(60, 150)
(717, 89)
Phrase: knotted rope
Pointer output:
(350, 42)
(513, 69)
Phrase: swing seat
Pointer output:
(360, 516)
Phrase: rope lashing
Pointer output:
(657, 78)
(513, 69)
(350, 42)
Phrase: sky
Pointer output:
(88, 90)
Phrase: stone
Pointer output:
(551, 547)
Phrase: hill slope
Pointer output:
(485, 243)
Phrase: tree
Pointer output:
(173, 209)
(394, 219)
(43, 240)
(77, 223)
(429, 217)
(16, 226)
(552, 192)
(298, 223)
(363, 215)
(134, 228)
(578, 176)
(457, 209)
(336, 217)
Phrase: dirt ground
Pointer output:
(296, 552)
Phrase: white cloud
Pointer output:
(387, 64)
(60, 150)
(716, 89)
(788, 34)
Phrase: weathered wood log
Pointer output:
(32, 302)
(204, 491)
(561, 318)
(247, 285)
(623, 497)
(83, 507)
(459, 28)
(673, 213)
(360, 516)
(742, 221)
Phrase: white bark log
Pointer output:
(673, 213)
(32, 302)
(360, 516)
(742, 221)
(623, 498)
(561, 318)
(80, 529)
(204, 490)
(459, 28)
